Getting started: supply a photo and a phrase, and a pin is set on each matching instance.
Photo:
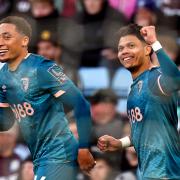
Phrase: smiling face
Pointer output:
(13, 45)
(133, 53)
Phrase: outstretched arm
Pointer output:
(169, 81)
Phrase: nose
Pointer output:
(125, 50)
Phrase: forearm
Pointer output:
(125, 142)
(84, 123)
(74, 99)
(170, 72)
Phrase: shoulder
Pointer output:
(155, 71)
(38, 61)
(154, 74)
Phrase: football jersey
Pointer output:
(32, 92)
(153, 119)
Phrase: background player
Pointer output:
(151, 107)
(36, 90)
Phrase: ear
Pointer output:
(148, 50)
(25, 41)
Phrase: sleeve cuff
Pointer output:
(84, 145)
(156, 46)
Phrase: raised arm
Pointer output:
(169, 80)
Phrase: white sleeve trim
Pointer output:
(4, 105)
(156, 46)
(159, 85)
(59, 93)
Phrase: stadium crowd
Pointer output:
(80, 35)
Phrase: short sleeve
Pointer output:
(52, 78)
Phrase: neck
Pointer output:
(141, 69)
(14, 63)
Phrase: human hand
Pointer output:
(85, 160)
(149, 34)
(109, 143)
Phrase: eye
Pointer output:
(131, 45)
(7, 36)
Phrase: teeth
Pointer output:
(3, 51)
(126, 59)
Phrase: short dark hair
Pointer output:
(131, 29)
(22, 26)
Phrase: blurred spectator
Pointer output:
(10, 162)
(44, 20)
(147, 13)
(103, 169)
(6, 7)
(26, 171)
(131, 173)
(105, 117)
(67, 8)
(43, 8)
(99, 23)
(49, 47)
(126, 7)
(170, 46)
(106, 120)
(171, 11)
(145, 16)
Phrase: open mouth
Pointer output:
(127, 59)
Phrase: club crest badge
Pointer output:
(4, 88)
(140, 84)
(57, 72)
(25, 83)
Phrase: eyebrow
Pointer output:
(6, 33)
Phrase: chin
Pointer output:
(4, 60)
(132, 69)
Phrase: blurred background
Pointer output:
(80, 35)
